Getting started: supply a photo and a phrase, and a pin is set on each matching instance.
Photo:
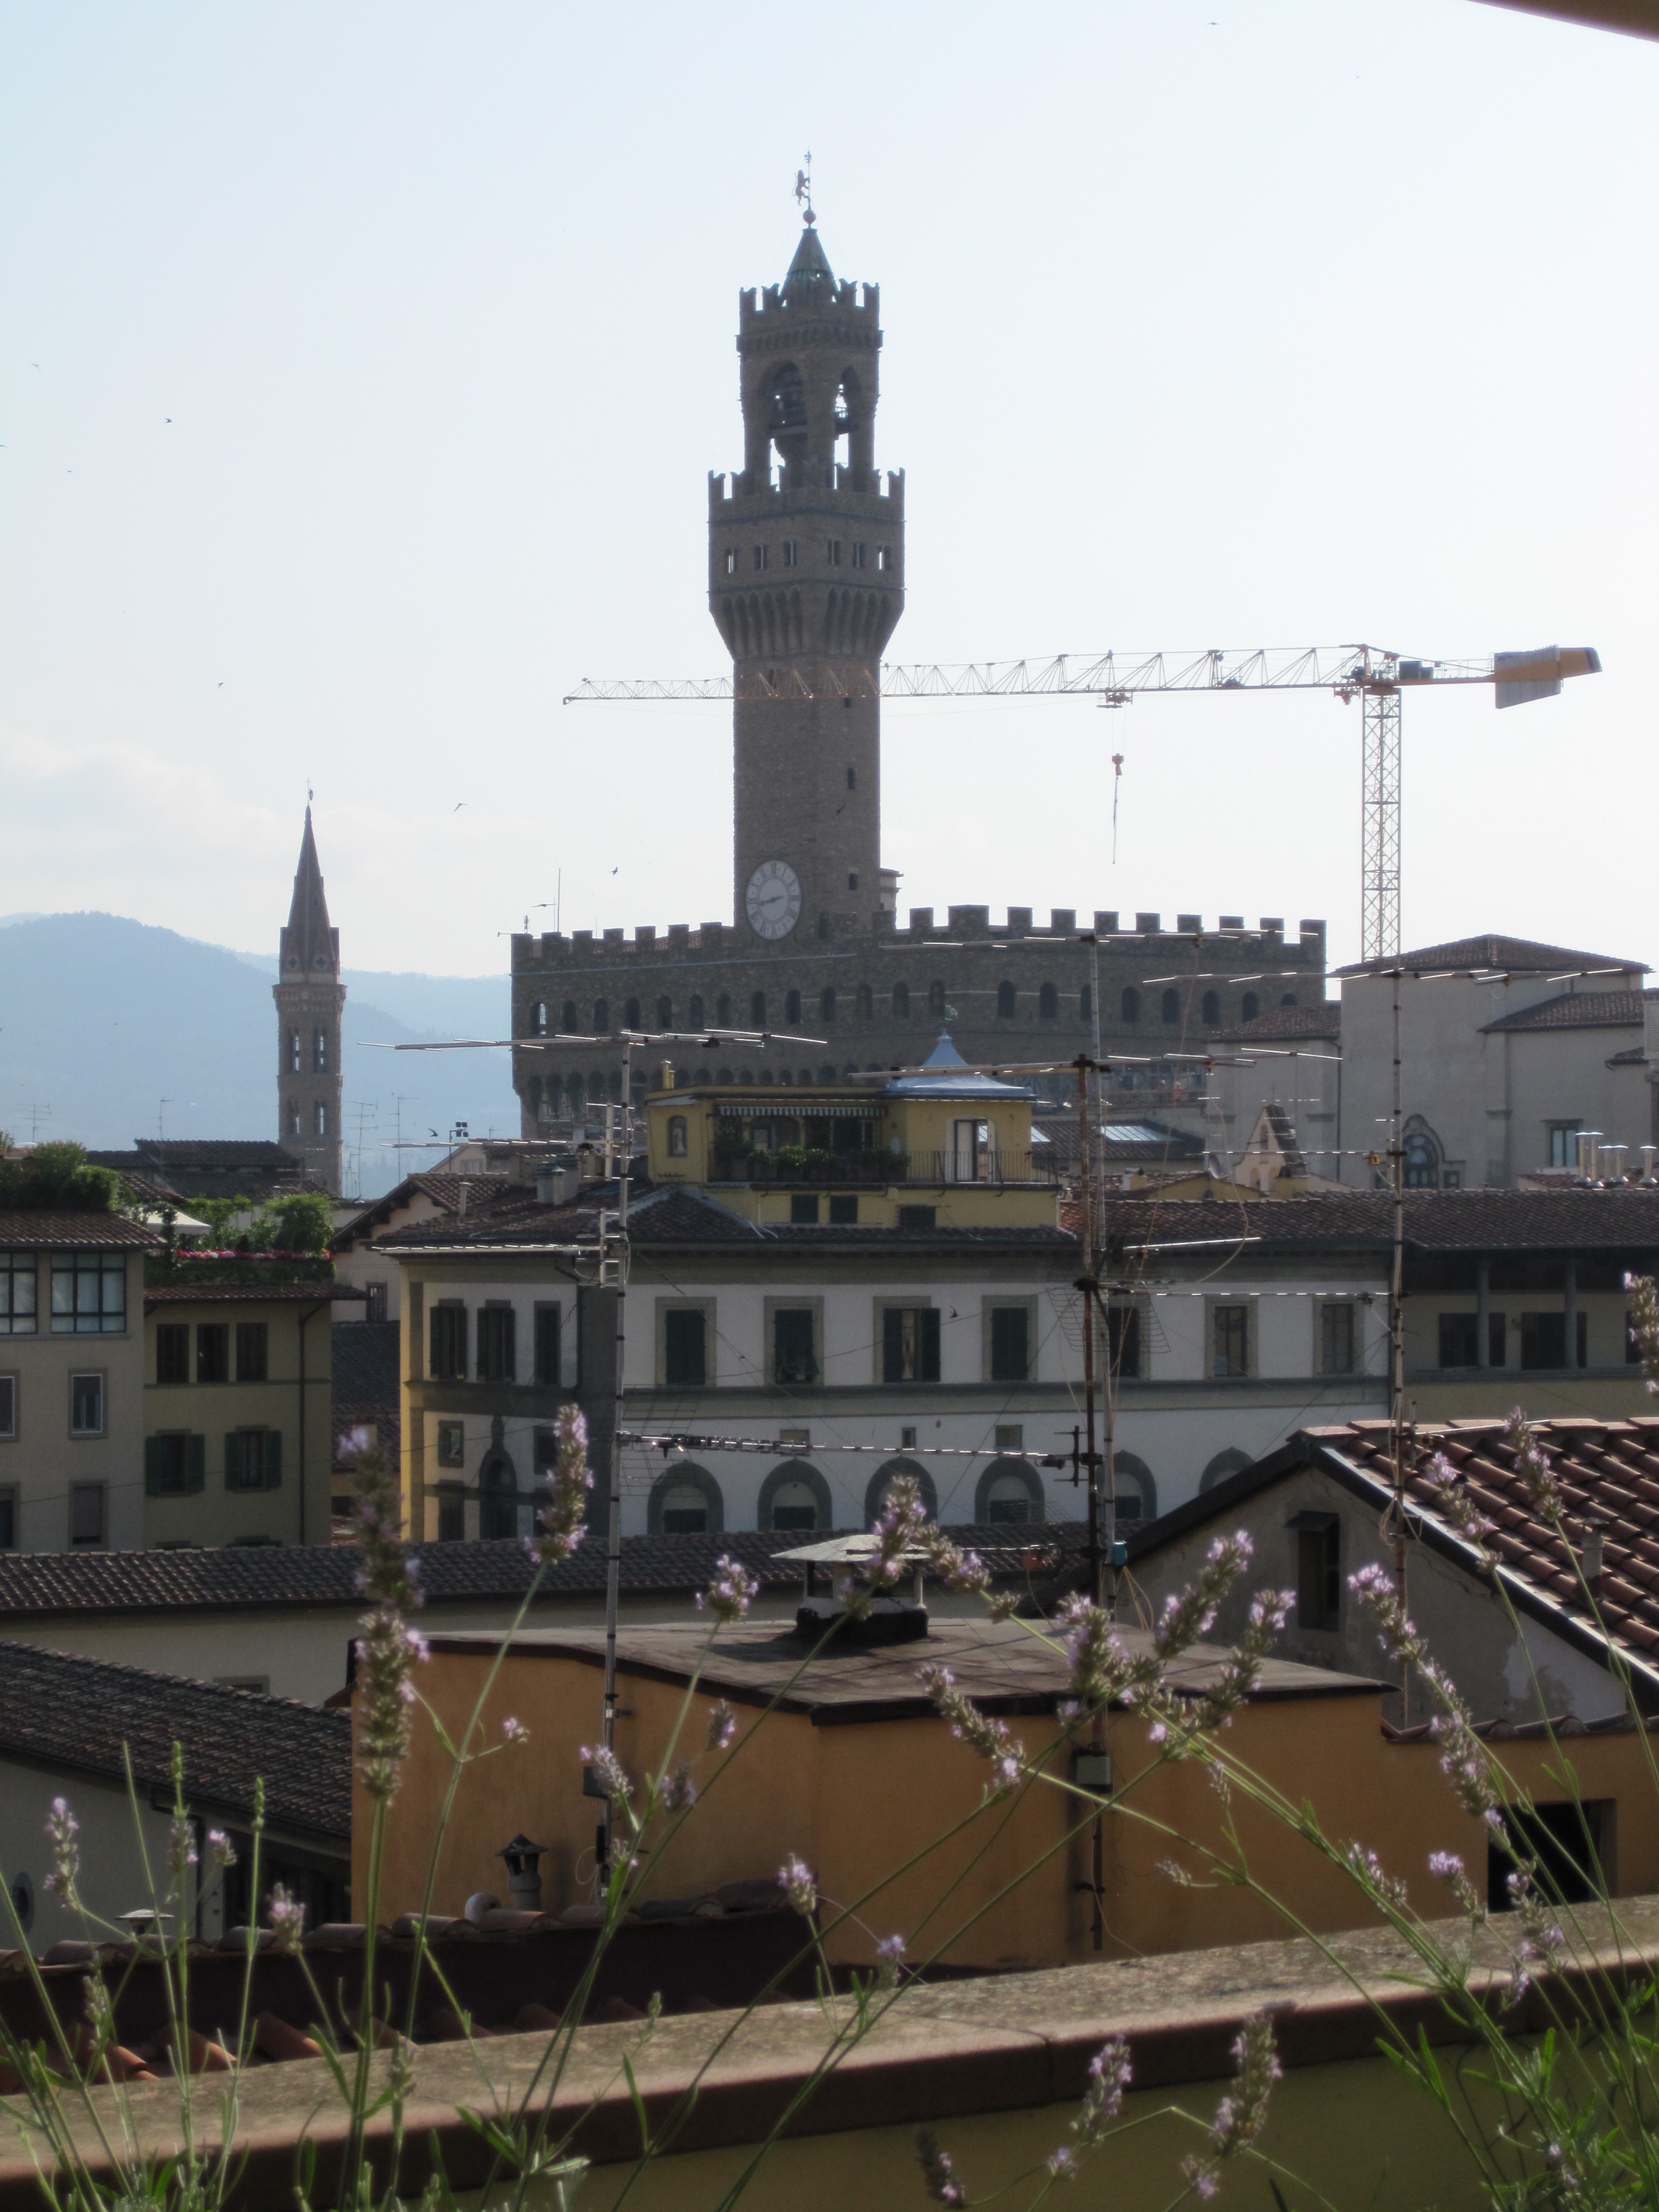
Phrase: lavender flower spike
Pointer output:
(795, 1878)
(559, 1524)
(287, 1915)
(722, 1726)
(62, 1829)
(938, 2174)
(729, 1595)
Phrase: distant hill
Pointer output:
(102, 1018)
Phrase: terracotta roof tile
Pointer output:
(80, 1714)
(1598, 1464)
(1520, 956)
(43, 1228)
(1577, 1010)
(1286, 1024)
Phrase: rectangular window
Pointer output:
(253, 1458)
(173, 1352)
(1123, 1341)
(833, 552)
(253, 1352)
(88, 1294)
(166, 1464)
(685, 1358)
(550, 1357)
(1011, 1344)
(86, 1513)
(790, 553)
(448, 1343)
(452, 1517)
(909, 1344)
(1338, 1338)
(794, 1345)
(1011, 1436)
(7, 1405)
(730, 560)
(320, 1052)
(213, 1351)
(1543, 1339)
(917, 1216)
(374, 1302)
(803, 1209)
(497, 1344)
(320, 1119)
(859, 554)
(451, 1443)
(1564, 1144)
(1230, 1342)
(1318, 1570)
(759, 558)
(7, 1520)
(17, 1313)
(294, 1052)
(1460, 1340)
(883, 556)
(843, 1209)
(86, 1405)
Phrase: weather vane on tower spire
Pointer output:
(804, 190)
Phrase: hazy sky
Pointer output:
(362, 367)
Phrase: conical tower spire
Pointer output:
(309, 997)
(309, 946)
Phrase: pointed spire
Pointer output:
(810, 266)
(309, 946)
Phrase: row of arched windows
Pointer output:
(1132, 1009)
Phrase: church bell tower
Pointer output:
(806, 586)
(309, 997)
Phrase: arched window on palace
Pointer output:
(1132, 1004)
(1005, 1002)
(694, 1011)
(901, 1002)
(826, 1003)
(791, 1007)
(1047, 1003)
(631, 1015)
(664, 1013)
(1171, 1007)
(757, 1010)
(866, 1004)
(1212, 1010)
(1250, 1006)
(567, 1020)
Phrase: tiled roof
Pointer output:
(444, 1191)
(1435, 1220)
(666, 1217)
(44, 1585)
(210, 1167)
(1577, 1010)
(1285, 1024)
(215, 1152)
(1000, 1665)
(1633, 1055)
(41, 1227)
(78, 1714)
(194, 1294)
(1608, 1473)
(1519, 956)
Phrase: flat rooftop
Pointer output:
(1002, 1665)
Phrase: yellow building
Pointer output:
(854, 1771)
(947, 1142)
(239, 1412)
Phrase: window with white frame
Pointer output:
(17, 1294)
(89, 1293)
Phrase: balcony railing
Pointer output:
(1000, 1171)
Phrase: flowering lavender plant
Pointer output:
(731, 1592)
(1241, 2115)
(391, 1647)
(560, 1523)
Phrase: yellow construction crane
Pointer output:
(1378, 679)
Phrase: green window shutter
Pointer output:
(196, 1464)
(927, 1348)
(892, 1344)
(273, 1458)
(153, 1465)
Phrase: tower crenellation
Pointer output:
(806, 585)
(310, 998)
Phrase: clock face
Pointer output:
(772, 899)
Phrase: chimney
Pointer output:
(524, 1873)
(665, 1076)
(555, 1184)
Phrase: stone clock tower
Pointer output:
(806, 584)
